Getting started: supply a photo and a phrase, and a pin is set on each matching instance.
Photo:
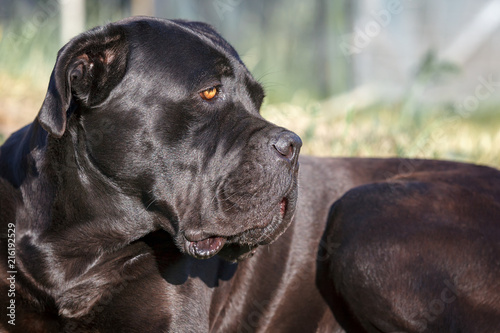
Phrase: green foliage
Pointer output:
(28, 49)
(430, 71)
(298, 46)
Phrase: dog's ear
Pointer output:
(86, 70)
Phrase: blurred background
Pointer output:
(407, 78)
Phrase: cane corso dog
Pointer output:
(149, 195)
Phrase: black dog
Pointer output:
(149, 154)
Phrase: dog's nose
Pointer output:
(287, 144)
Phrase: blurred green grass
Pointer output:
(405, 128)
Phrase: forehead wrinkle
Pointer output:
(209, 40)
(219, 45)
(198, 69)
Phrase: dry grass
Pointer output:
(20, 101)
(383, 130)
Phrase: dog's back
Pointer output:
(417, 253)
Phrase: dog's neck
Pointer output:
(74, 191)
(16, 161)
(80, 220)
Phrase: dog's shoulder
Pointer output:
(10, 201)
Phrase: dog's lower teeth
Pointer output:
(208, 247)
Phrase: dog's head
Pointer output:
(168, 113)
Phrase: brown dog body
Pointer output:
(417, 253)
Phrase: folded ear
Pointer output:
(86, 70)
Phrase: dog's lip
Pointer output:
(283, 206)
(206, 247)
(269, 232)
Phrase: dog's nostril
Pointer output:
(286, 151)
(287, 144)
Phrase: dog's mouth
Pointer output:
(205, 248)
(237, 246)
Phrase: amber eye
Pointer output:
(209, 93)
